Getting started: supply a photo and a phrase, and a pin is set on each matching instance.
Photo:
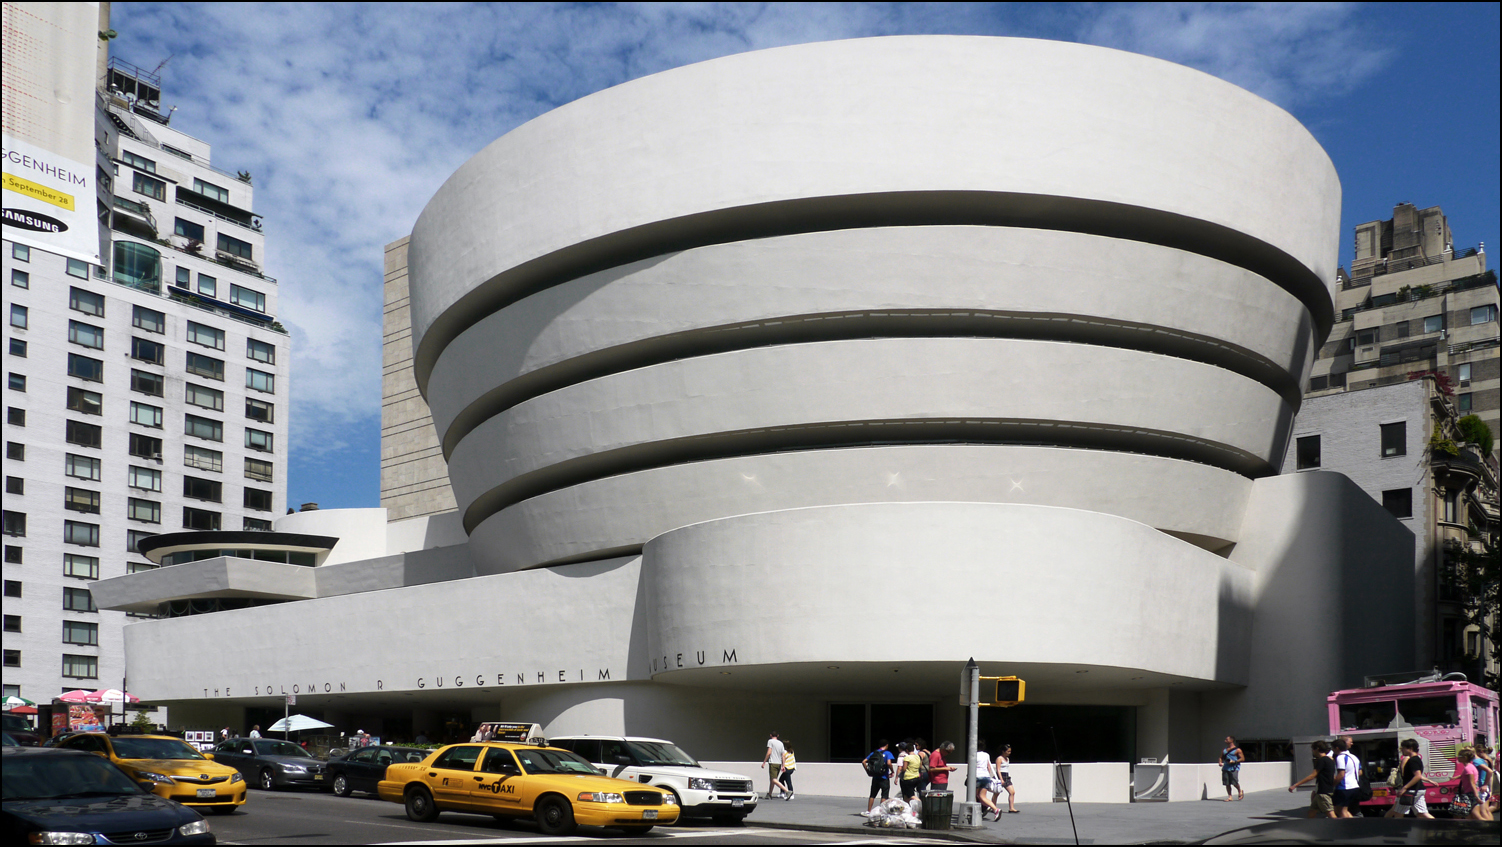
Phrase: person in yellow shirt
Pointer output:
(910, 770)
(789, 764)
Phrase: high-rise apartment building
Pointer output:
(1413, 302)
(147, 376)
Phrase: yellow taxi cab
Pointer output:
(558, 789)
(176, 770)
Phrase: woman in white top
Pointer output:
(985, 773)
(1004, 777)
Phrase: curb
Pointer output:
(936, 834)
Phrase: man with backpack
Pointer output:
(878, 765)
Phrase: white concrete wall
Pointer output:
(361, 532)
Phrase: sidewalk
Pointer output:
(1048, 823)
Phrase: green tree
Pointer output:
(1478, 573)
(1475, 430)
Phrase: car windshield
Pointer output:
(538, 760)
(154, 748)
(46, 777)
(281, 748)
(660, 753)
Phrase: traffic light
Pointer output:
(1009, 691)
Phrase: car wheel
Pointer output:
(555, 817)
(268, 779)
(341, 786)
(420, 806)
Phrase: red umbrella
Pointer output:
(24, 710)
(80, 697)
(112, 695)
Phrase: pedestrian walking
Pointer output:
(1411, 791)
(939, 768)
(910, 771)
(789, 764)
(920, 746)
(772, 761)
(1466, 802)
(1347, 778)
(255, 731)
(1486, 769)
(1004, 776)
(1231, 758)
(878, 764)
(1322, 803)
(985, 776)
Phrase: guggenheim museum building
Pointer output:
(769, 390)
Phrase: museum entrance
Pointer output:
(854, 728)
(1085, 733)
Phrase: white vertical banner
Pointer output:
(49, 201)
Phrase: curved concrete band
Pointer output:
(1154, 609)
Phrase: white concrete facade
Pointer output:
(1003, 338)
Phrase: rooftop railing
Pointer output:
(1423, 292)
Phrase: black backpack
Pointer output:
(876, 764)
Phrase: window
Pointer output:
(1434, 323)
(258, 499)
(146, 511)
(260, 351)
(81, 467)
(147, 351)
(81, 667)
(87, 402)
(12, 588)
(257, 525)
(78, 268)
(1483, 314)
(15, 524)
(1399, 501)
(86, 301)
(13, 555)
(188, 230)
(80, 567)
(21, 252)
(15, 451)
(85, 368)
(210, 190)
(146, 383)
(20, 279)
(12, 658)
(1451, 501)
(18, 316)
(150, 186)
(16, 382)
(144, 478)
(82, 534)
(208, 398)
(18, 348)
(234, 247)
(203, 428)
(258, 440)
(138, 266)
(1463, 402)
(134, 537)
(14, 416)
(81, 500)
(138, 567)
(15, 485)
(86, 335)
(176, 152)
(84, 435)
(202, 489)
(200, 519)
(1366, 338)
(205, 366)
(12, 623)
(260, 380)
(146, 415)
(148, 319)
(78, 632)
(1463, 373)
(184, 278)
(208, 287)
(206, 335)
(138, 162)
(145, 447)
(257, 410)
(247, 298)
(1394, 439)
(203, 458)
(78, 600)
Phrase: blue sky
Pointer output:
(351, 116)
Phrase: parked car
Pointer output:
(362, 769)
(269, 764)
(50, 796)
(176, 770)
(700, 792)
(554, 787)
(19, 730)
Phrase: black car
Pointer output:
(362, 769)
(20, 731)
(52, 796)
(269, 764)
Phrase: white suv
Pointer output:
(652, 761)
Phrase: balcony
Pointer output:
(218, 209)
(133, 218)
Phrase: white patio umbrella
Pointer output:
(13, 702)
(297, 723)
